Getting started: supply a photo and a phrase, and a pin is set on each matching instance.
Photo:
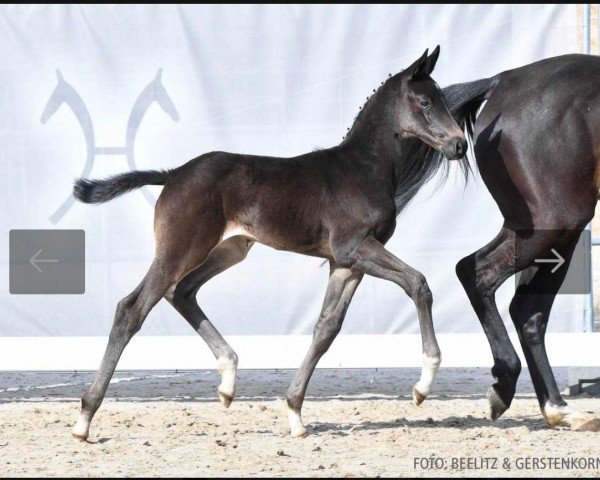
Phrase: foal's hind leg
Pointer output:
(183, 298)
(342, 285)
(530, 313)
(181, 246)
(129, 317)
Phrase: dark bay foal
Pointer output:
(339, 204)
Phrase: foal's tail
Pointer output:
(100, 191)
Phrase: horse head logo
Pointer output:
(160, 95)
(56, 99)
(65, 93)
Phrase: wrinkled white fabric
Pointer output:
(263, 79)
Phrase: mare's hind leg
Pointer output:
(340, 289)
(183, 298)
(530, 313)
(481, 274)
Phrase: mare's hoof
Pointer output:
(591, 425)
(497, 405)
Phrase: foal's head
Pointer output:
(419, 108)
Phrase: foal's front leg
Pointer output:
(342, 285)
(372, 258)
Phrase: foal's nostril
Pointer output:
(461, 147)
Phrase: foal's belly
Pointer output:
(288, 239)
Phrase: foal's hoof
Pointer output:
(418, 397)
(297, 428)
(79, 438)
(225, 399)
(497, 406)
(300, 432)
(81, 430)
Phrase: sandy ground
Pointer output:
(170, 424)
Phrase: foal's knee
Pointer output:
(418, 289)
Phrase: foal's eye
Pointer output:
(425, 103)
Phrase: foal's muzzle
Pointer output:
(455, 149)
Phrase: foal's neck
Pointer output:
(373, 138)
(373, 135)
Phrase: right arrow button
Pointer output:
(559, 260)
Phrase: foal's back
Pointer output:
(291, 203)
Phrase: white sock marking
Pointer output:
(296, 426)
(563, 415)
(82, 427)
(428, 372)
(227, 369)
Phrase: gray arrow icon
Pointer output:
(559, 260)
(46, 262)
(35, 260)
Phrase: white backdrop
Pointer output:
(275, 80)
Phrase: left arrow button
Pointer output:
(35, 260)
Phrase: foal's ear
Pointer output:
(431, 61)
(416, 68)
